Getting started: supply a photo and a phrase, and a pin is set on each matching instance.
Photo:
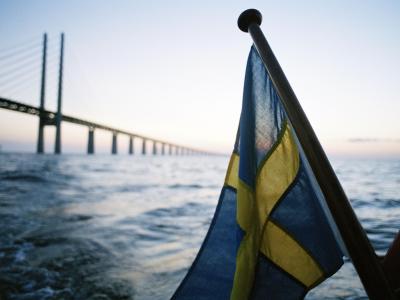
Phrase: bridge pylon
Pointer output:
(57, 146)
(40, 141)
(44, 118)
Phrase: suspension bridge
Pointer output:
(18, 57)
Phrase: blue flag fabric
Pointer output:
(272, 236)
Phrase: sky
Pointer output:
(174, 70)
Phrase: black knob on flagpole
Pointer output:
(248, 17)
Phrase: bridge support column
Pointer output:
(176, 150)
(144, 147)
(57, 148)
(170, 149)
(90, 146)
(40, 141)
(114, 143)
(163, 149)
(154, 148)
(131, 150)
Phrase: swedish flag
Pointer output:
(271, 236)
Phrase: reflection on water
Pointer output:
(120, 227)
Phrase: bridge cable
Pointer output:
(16, 60)
(18, 68)
(20, 90)
(20, 77)
(31, 40)
(19, 72)
(19, 52)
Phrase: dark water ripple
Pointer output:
(103, 227)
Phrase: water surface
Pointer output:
(122, 227)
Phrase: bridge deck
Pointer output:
(50, 116)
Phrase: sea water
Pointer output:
(129, 227)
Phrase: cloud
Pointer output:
(373, 140)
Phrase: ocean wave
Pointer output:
(16, 176)
(185, 186)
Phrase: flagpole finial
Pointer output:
(249, 17)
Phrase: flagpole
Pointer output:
(360, 249)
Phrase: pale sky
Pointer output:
(174, 70)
